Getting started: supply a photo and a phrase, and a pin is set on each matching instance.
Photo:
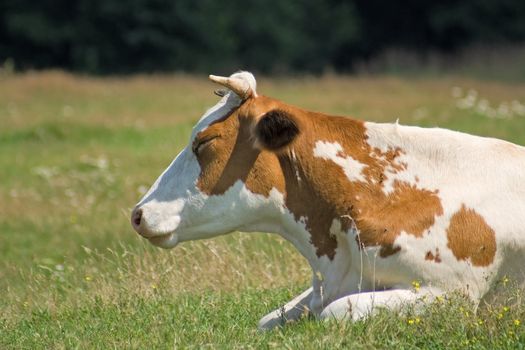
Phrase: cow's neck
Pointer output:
(315, 187)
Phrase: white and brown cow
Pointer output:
(372, 207)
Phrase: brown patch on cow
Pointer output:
(383, 217)
(433, 257)
(317, 188)
(471, 238)
(307, 202)
(388, 249)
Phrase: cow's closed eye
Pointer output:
(201, 144)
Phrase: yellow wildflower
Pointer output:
(88, 278)
(462, 310)
(517, 322)
(416, 285)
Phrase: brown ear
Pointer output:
(275, 130)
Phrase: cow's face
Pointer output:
(227, 173)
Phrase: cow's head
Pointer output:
(228, 177)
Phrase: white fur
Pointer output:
(360, 305)
(330, 151)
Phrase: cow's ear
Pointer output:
(276, 130)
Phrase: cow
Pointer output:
(386, 215)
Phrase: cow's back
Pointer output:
(479, 236)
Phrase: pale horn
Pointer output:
(239, 86)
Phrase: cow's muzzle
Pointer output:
(160, 239)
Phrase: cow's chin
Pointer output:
(167, 241)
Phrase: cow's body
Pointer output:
(372, 207)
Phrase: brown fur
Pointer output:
(433, 257)
(231, 157)
(470, 237)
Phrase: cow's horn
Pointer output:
(240, 86)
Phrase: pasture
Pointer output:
(76, 154)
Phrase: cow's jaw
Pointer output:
(205, 216)
(166, 241)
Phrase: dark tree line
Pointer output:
(116, 36)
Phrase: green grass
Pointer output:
(76, 153)
(225, 320)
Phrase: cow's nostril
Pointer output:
(136, 218)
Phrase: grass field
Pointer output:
(76, 153)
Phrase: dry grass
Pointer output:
(148, 101)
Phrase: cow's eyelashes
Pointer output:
(220, 92)
(199, 145)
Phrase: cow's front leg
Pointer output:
(360, 305)
(291, 311)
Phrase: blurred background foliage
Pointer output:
(117, 37)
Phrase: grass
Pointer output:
(76, 153)
(203, 321)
